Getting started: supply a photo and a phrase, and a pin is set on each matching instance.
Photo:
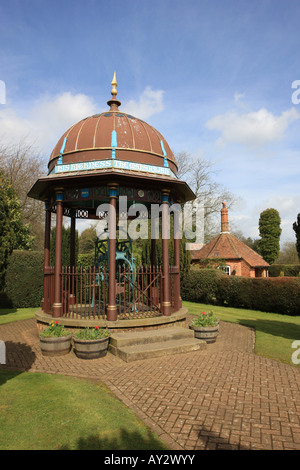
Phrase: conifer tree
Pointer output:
(269, 231)
(296, 227)
(65, 246)
(13, 234)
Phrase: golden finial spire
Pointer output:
(114, 102)
(114, 83)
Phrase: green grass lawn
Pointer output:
(8, 315)
(53, 412)
(45, 412)
(274, 333)
(42, 411)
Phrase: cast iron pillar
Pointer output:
(72, 256)
(177, 232)
(166, 304)
(57, 305)
(112, 222)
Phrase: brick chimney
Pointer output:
(224, 218)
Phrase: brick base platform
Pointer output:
(223, 397)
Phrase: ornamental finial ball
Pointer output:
(114, 83)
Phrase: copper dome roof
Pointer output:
(113, 134)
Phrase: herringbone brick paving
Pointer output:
(225, 397)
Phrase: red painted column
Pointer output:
(46, 300)
(57, 305)
(166, 304)
(111, 308)
(72, 257)
(177, 299)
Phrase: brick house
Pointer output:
(240, 260)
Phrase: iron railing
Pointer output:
(84, 292)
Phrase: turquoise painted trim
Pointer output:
(59, 197)
(113, 144)
(163, 148)
(114, 139)
(113, 192)
(81, 166)
(63, 146)
(85, 192)
(165, 198)
(102, 164)
(166, 163)
(60, 159)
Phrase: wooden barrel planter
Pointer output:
(56, 346)
(206, 333)
(90, 349)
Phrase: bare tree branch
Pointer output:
(198, 173)
(23, 165)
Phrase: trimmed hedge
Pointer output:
(201, 285)
(24, 279)
(276, 295)
(289, 270)
(24, 286)
(85, 260)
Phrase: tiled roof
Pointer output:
(228, 246)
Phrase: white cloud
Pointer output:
(46, 121)
(254, 129)
(55, 116)
(287, 206)
(149, 103)
(238, 97)
(49, 117)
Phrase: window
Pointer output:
(226, 269)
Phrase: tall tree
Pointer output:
(87, 240)
(269, 231)
(13, 234)
(65, 246)
(23, 165)
(288, 254)
(199, 174)
(296, 227)
(185, 256)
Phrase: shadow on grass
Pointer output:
(19, 358)
(125, 441)
(275, 328)
(6, 304)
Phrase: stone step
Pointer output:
(158, 349)
(149, 336)
(135, 346)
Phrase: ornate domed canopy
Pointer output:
(111, 146)
(113, 135)
(115, 167)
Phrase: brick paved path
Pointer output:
(222, 398)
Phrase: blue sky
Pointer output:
(215, 77)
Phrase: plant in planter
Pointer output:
(91, 343)
(206, 327)
(55, 340)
